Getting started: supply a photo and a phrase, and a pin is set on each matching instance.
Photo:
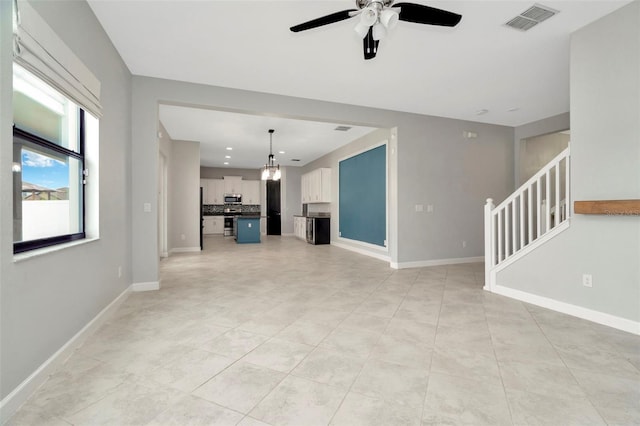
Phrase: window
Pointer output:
(48, 165)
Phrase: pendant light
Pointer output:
(271, 171)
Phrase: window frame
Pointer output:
(24, 246)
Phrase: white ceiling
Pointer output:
(249, 137)
(519, 77)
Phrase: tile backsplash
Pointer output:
(218, 209)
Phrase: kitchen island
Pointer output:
(246, 229)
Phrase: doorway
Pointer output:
(274, 226)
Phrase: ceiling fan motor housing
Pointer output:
(361, 4)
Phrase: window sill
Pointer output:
(46, 250)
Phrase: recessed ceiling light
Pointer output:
(226, 163)
(513, 109)
(295, 159)
(227, 156)
(280, 152)
(482, 111)
(229, 148)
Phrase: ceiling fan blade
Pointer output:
(421, 14)
(324, 20)
(370, 46)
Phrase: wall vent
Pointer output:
(342, 128)
(531, 17)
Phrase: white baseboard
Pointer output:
(436, 262)
(184, 250)
(164, 254)
(12, 402)
(364, 251)
(148, 286)
(569, 309)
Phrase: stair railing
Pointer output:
(540, 205)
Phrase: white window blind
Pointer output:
(38, 48)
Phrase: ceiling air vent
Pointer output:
(342, 128)
(531, 17)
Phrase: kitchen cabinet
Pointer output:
(316, 186)
(212, 191)
(251, 192)
(215, 191)
(300, 227)
(213, 225)
(233, 184)
(247, 229)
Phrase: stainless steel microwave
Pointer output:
(232, 199)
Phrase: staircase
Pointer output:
(533, 214)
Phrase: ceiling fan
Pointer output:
(378, 16)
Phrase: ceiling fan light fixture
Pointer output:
(361, 29)
(389, 18)
(369, 16)
(379, 31)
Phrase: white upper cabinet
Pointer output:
(216, 191)
(251, 192)
(212, 191)
(316, 186)
(233, 184)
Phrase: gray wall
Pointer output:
(47, 299)
(605, 151)
(433, 162)
(537, 152)
(290, 197)
(184, 196)
(548, 125)
(220, 172)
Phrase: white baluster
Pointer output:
(547, 210)
(538, 208)
(500, 257)
(530, 214)
(558, 209)
(514, 224)
(522, 243)
(489, 242)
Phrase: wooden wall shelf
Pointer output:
(608, 207)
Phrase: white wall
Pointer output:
(46, 300)
(605, 164)
(184, 196)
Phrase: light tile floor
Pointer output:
(285, 333)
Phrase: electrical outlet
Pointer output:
(182, 237)
(119, 271)
(587, 280)
(464, 244)
(430, 208)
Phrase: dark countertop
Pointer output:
(248, 216)
(328, 215)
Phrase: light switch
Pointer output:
(419, 207)
(147, 207)
(430, 208)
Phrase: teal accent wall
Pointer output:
(363, 196)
